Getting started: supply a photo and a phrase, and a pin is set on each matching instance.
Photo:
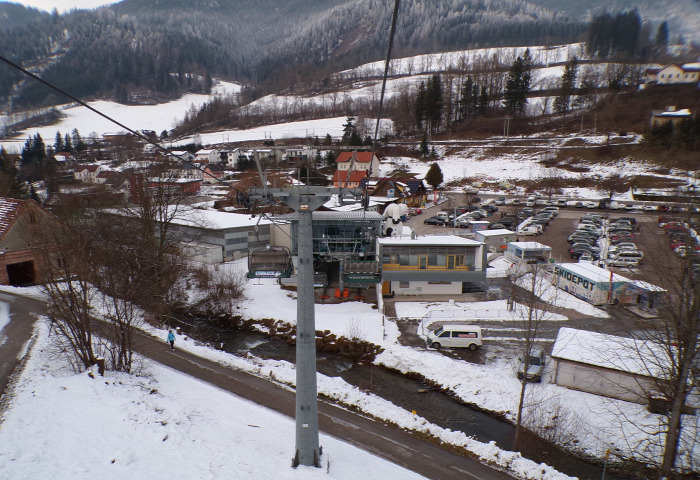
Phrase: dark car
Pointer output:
(435, 221)
(578, 252)
(578, 205)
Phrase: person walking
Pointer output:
(171, 339)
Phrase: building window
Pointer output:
(32, 217)
(404, 284)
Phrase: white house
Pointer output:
(87, 173)
(431, 265)
(672, 73)
(363, 161)
(608, 365)
(206, 155)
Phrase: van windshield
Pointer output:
(438, 331)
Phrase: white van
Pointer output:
(455, 336)
(530, 230)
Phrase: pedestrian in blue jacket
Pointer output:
(171, 339)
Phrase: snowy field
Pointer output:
(137, 117)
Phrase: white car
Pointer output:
(623, 262)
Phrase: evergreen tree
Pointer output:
(355, 139)
(348, 129)
(434, 102)
(424, 147)
(483, 101)
(661, 40)
(328, 141)
(68, 144)
(12, 186)
(434, 176)
(562, 102)
(78, 143)
(518, 85)
(58, 142)
(468, 99)
(421, 97)
(34, 152)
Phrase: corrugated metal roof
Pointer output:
(10, 209)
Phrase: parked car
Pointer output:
(534, 368)
(627, 254)
(580, 251)
(435, 220)
(500, 201)
(578, 205)
(455, 336)
(623, 262)
(586, 257)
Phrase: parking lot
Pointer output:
(649, 238)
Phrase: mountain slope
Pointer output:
(161, 48)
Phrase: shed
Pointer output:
(528, 252)
(618, 367)
(495, 240)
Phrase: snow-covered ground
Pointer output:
(137, 117)
(587, 423)
(157, 424)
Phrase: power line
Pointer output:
(103, 115)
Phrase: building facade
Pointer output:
(435, 265)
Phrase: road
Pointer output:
(382, 440)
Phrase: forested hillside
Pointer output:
(147, 50)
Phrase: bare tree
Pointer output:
(530, 304)
(68, 275)
(676, 332)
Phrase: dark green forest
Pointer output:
(149, 50)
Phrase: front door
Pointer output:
(451, 262)
(422, 262)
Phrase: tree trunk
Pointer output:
(674, 422)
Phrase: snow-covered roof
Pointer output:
(609, 351)
(591, 272)
(684, 112)
(531, 245)
(213, 219)
(431, 240)
(649, 287)
(495, 233)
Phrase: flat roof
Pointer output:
(215, 220)
(434, 240)
(495, 233)
(591, 272)
(630, 355)
(531, 245)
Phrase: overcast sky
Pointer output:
(62, 5)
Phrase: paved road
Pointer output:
(13, 338)
(382, 440)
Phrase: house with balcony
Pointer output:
(431, 265)
(208, 156)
